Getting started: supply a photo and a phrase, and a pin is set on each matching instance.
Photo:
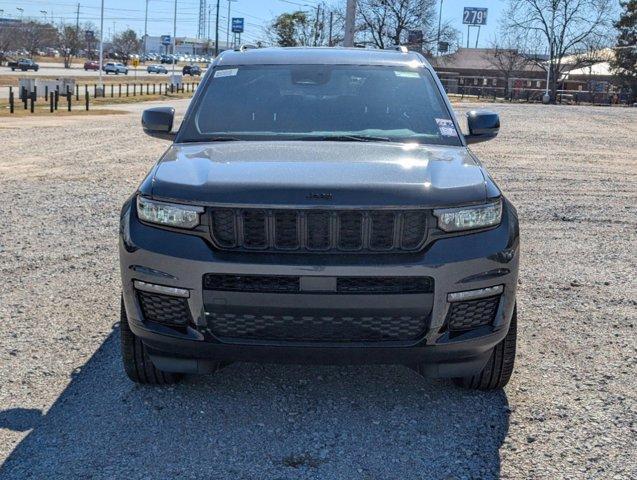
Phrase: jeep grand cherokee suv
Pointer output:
(320, 206)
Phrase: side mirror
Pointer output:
(483, 125)
(158, 122)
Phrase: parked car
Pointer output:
(191, 70)
(319, 206)
(156, 69)
(167, 59)
(116, 68)
(23, 64)
(91, 65)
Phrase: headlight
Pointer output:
(170, 214)
(468, 218)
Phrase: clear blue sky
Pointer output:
(122, 14)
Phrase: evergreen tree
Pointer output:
(625, 62)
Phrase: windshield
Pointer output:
(321, 102)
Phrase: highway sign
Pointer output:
(474, 16)
(166, 40)
(237, 25)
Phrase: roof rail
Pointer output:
(247, 46)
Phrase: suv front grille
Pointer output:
(362, 231)
(472, 314)
(316, 328)
(291, 284)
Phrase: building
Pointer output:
(183, 45)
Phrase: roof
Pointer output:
(470, 59)
(601, 69)
(320, 56)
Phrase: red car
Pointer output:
(91, 65)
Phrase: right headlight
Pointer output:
(169, 214)
(469, 218)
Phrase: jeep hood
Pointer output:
(318, 173)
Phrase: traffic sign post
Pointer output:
(165, 41)
(237, 29)
(474, 17)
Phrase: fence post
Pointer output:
(172, 88)
(57, 96)
(77, 92)
(94, 90)
(51, 102)
(46, 91)
(153, 89)
(112, 86)
(134, 90)
(33, 99)
(120, 90)
(127, 89)
(11, 100)
(69, 96)
(86, 99)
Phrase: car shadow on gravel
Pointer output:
(260, 422)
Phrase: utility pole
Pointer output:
(439, 25)
(209, 15)
(217, 31)
(145, 27)
(329, 43)
(174, 38)
(350, 20)
(316, 25)
(77, 19)
(228, 29)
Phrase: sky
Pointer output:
(122, 14)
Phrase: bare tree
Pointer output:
(7, 41)
(566, 26)
(506, 55)
(69, 42)
(388, 22)
(33, 36)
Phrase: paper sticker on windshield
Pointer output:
(446, 127)
(406, 74)
(228, 72)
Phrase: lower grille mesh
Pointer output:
(471, 314)
(164, 308)
(316, 328)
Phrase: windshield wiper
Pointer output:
(224, 138)
(346, 138)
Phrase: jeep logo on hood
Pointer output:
(319, 196)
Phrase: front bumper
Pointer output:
(459, 263)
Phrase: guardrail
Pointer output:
(85, 94)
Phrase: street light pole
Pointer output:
(145, 27)
(21, 10)
(44, 12)
(101, 44)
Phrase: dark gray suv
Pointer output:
(319, 206)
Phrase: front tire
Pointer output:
(137, 364)
(497, 372)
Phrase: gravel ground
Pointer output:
(67, 410)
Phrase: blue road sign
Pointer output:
(166, 40)
(237, 25)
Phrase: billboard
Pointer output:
(474, 16)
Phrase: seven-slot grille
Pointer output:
(361, 231)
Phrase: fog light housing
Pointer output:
(162, 289)
(475, 294)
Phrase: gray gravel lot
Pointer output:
(67, 410)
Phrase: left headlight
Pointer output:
(469, 218)
(169, 214)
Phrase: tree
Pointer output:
(69, 42)
(7, 40)
(33, 36)
(566, 26)
(388, 22)
(624, 63)
(126, 43)
(506, 57)
(291, 30)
